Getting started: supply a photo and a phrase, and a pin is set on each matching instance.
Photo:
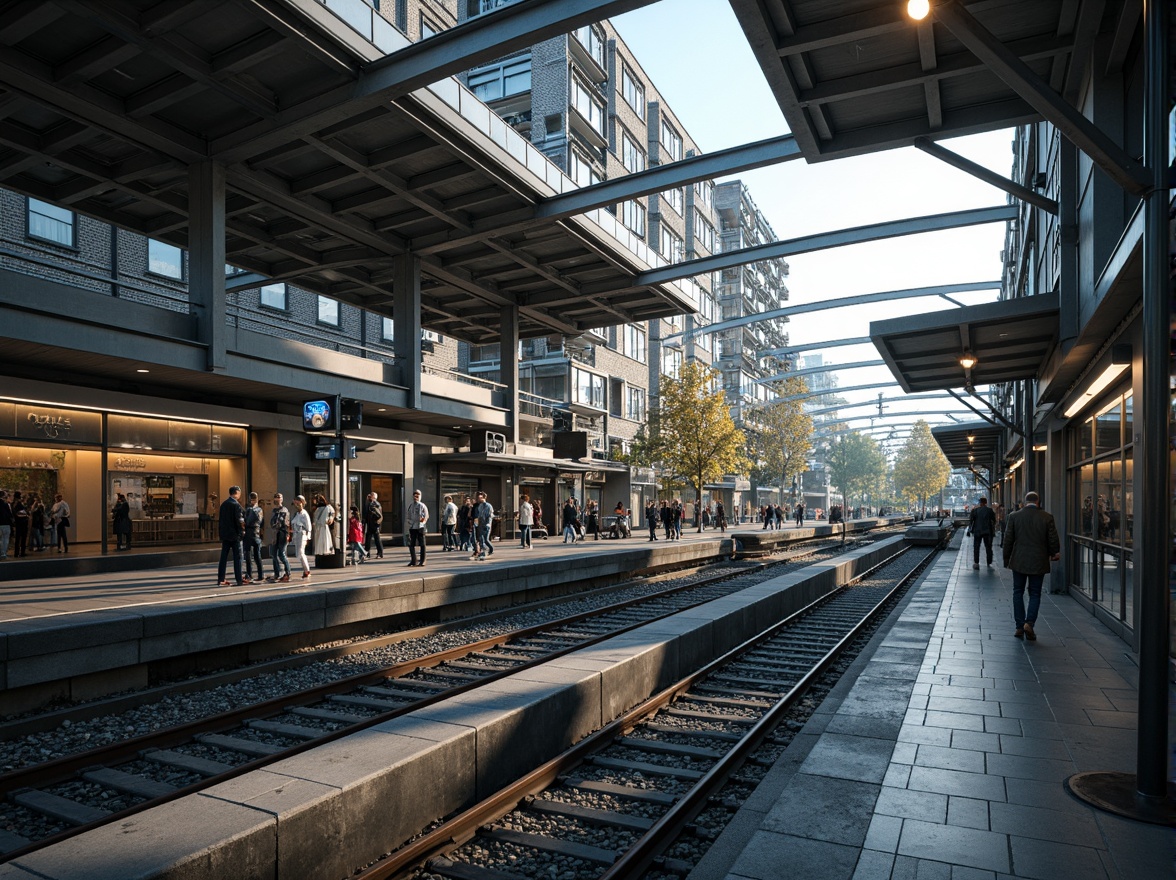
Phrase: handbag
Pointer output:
(64, 522)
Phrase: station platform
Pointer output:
(943, 751)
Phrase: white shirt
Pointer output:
(526, 514)
(450, 514)
(416, 515)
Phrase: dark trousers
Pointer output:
(449, 536)
(20, 536)
(227, 547)
(63, 538)
(253, 554)
(278, 552)
(1034, 582)
(124, 540)
(416, 538)
(371, 534)
(652, 529)
(977, 540)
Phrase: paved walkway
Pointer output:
(46, 597)
(942, 754)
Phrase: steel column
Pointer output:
(206, 259)
(508, 360)
(406, 316)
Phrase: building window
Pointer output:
(702, 340)
(275, 296)
(587, 388)
(387, 329)
(502, 80)
(704, 233)
(673, 198)
(635, 345)
(632, 91)
(671, 140)
(485, 353)
(672, 247)
(633, 216)
(582, 171)
(671, 361)
(428, 29)
(704, 191)
(592, 41)
(587, 106)
(632, 156)
(706, 307)
(328, 311)
(51, 223)
(164, 259)
(635, 405)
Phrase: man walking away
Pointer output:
(526, 521)
(416, 516)
(982, 526)
(253, 524)
(449, 525)
(232, 529)
(799, 515)
(373, 516)
(280, 533)
(1030, 543)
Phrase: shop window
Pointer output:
(275, 296)
(51, 223)
(165, 259)
(387, 330)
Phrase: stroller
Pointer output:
(620, 527)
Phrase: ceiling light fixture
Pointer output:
(918, 9)
(967, 360)
(1109, 375)
(142, 370)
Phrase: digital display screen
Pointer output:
(318, 415)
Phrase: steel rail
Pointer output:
(465, 825)
(69, 766)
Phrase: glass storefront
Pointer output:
(173, 472)
(1101, 533)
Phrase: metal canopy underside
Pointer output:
(953, 440)
(1010, 339)
(856, 76)
(105, 105)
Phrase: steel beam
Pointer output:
(474, 41)
(1018, 76)
(812, 346)
(839, 390)
(874, 403)
(840, 302)
(824, 240)
(976, 170)
(829, 368)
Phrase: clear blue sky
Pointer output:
(697, 56)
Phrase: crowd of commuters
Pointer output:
(27, 523)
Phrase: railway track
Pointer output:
(72, 794)
(613, 804)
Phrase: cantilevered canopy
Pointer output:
(337, 160)
(1009, 339)
(856, 76)
(970, 444)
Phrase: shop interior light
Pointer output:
(1040, 447)
(918, 9)
(1105, 378)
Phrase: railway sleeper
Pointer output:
(760, 701)
(590, 815)
(128, 783)
(668, 748)
(325, 714)
(627, 792)
(57, 807)
(553, 845)
(450, 674)
(191, 763)
(783, 685)
(492, 664)
(701, 734)
(293, 731)
(464, 871)
(249, 747)
(395, 699)
(643, 767)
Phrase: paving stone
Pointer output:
(928, 870)
(849, 757)
(883, 833)
(1033, 747)
(974, 740)
(770, 856)
(1002, 725)
(959, 872)
(960, 721)
(969, 812)
(1045, 860)
(990, 788)
(917, 733)
(925, 805)
(823, 808)
(874, 865)
(954, 845)
(1029, 768)
(950, 759)
(897, 775)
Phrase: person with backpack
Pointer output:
(252, 539)
(279, 526)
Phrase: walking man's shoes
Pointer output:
(1020, 633)
(1029, 633)
(975, 566)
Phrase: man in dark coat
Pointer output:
(1030, 543)
(982, 526)
(232, 530)
(373, 516)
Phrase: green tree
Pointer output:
(920, 467)
(856, 466)
(698, 440)
(780, 436)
